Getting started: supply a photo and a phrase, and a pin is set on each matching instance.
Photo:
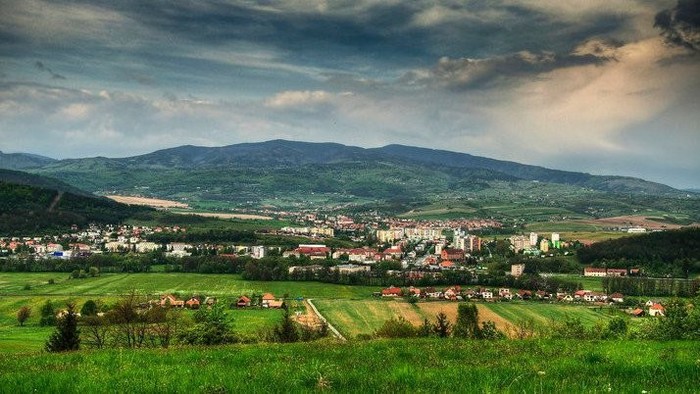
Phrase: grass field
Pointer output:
(15, 339)
(159, 283)
(355, 317)
(421, 365)
(108, 287)
(588, 282)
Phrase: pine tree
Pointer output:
(287, 330)
(67, 336)
(467, 325)
(442, 325)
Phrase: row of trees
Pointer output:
(128, 325)
(466, 326)
(652, 287)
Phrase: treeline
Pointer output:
(245, 237)
(277, 268)
(651, 287)
(673, 252)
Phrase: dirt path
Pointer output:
(55, 201)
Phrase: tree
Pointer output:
(489, 331)
(89, 308)
(617, 327)
(48, 314)
(286, 331)
(467, 325)
(95, 332)
(23, 314)
(442, 325)
(67, 336)
(210, 328)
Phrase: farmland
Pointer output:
(356, 317)
(109, 287)
(159, 283)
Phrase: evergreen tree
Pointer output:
(467, 325)
(442, 325)
(67, 336)
(287, 331)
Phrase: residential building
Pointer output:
(517, 270)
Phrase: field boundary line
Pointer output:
(323, 319)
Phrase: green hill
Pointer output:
(393, 179)
(31, 204)
(674, 252)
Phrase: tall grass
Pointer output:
(428, 365)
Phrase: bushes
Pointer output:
(48, 314)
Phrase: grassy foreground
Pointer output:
(428, 365)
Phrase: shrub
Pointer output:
(48, 314)
(23, 314)
(396, 328)
(89, 308)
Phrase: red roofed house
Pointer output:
(393, 252)
(657, 310)
(447, 264)
(452, 254)
(192, 303)
(391, 292)
(638, 312)
(243, 302)
(314, 252)
(266, 299)
(617, 297)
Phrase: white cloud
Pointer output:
(291, 98)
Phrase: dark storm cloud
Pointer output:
(681, 25)
(467, 73)
(349, 34)
(41, 67)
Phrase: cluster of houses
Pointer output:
(267, 300)
(457, 293)
(169, 300)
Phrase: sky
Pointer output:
(600, 86)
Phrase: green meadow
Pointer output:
(387, 366)
(107, 289)
(160, 282)
(543, 314)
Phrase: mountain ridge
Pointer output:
(286, 154)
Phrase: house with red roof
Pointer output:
(392, 292)
(243, 302)
(657, 310)
(192, 303)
